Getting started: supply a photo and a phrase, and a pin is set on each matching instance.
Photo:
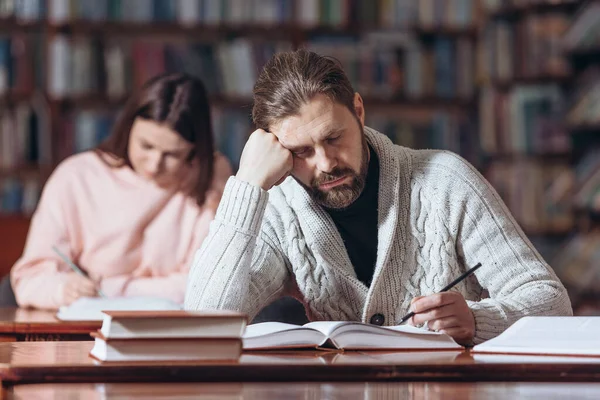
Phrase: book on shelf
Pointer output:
(585, 100)
(524, 120)
(81, 66)
(19, 196)
(572, 336)
(390, 65)
(528, 48)
(584, 32)
(409, 14)
(184, 12)
(20, 70)
(343, 336)
(537, 193)
(576, 262)
(377, 65)
(23, 10)
(428, 130)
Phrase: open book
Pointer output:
(547, 335)
(343, 335)
(90, 308)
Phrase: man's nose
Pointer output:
(326, 162)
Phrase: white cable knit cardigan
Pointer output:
(437, 217)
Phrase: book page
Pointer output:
(358, 335)
(330, 328)
(266, 328)
(548, 335)
(90, 308)
(268, 335)
(327, 327)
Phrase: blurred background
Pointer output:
(511, 85)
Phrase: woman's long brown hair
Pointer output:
(180, 102)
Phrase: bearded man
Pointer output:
(331, 212)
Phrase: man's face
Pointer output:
(330, 151)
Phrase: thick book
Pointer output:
(179, 349)
(345, 336)
(173, 324)
(571, 336)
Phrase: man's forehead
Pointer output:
(294, 130)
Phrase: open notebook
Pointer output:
(547, 335)
(343, 335)
(90, 308)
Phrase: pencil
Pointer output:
(445, 289)
(74, 267)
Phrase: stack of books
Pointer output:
(169, 336)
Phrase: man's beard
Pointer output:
(344, 195)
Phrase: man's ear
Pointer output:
(359, 108)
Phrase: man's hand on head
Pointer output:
(446, 312)
(264, 161)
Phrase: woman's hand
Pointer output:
(76, 286)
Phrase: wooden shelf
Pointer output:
(586, 211)
(435, 31)
(515, 157)
(423, 103)
(420, 30)
(541, 79)
(15, 218)
(511, 12)
(231, 102)
(10, 25)
(282, 31)
(98, 100)
(110, 28)
(580, 58)
(26, 171)
(548, 232)
(89, 101)
(14, 97)
(102, 101)
(585, 129)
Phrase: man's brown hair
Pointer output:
(291, 79)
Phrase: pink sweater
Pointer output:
(133, 237)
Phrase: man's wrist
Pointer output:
(250, 180)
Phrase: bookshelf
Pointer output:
(524, 77)
(415, 68)
(458, 79)
(577, 259)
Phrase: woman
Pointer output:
(132, 212)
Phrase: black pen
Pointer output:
(445, 289)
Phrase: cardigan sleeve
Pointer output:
(238, 267)
(518, 280)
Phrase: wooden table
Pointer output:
(313, 390)
(20, 324)
(68, 362)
